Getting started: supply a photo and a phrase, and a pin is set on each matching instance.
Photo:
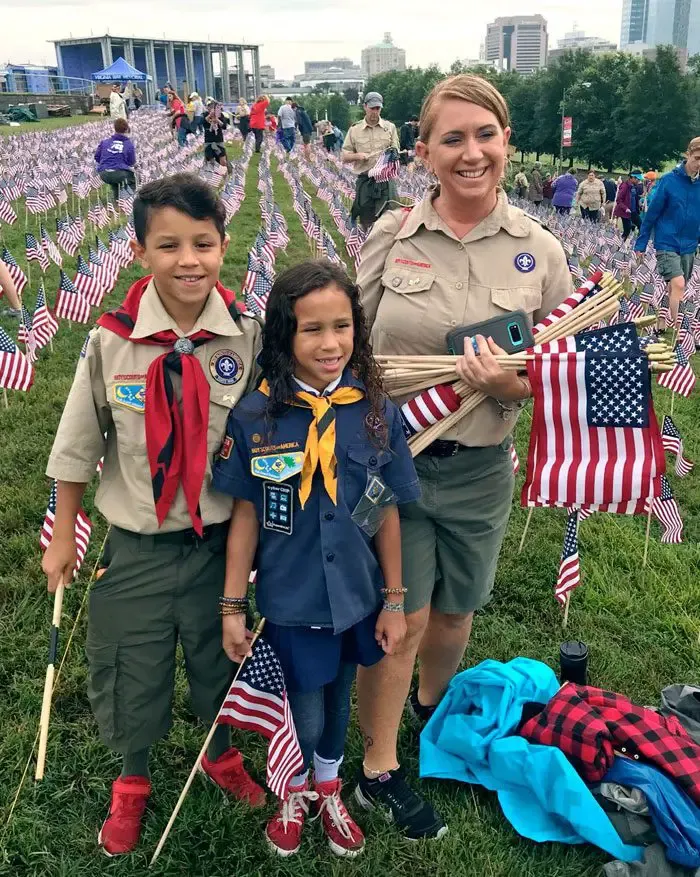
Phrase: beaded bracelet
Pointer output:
(234, 601)
(394, 590)
(232, 610)
(392, 607)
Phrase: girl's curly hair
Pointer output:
(277, 360)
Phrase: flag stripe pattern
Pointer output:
(428, 407)
(569, 565)
(83, 528)
(16, 371)
(673, 443)
(665, 508)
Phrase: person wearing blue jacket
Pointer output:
(116, 157)
(306, 127)
(673, 219)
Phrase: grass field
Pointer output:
(46, 124)
(641, 626)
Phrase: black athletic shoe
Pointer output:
(420, 715)
(400, 804)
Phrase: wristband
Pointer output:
(392, 607)
(232, 610)
(394, 590)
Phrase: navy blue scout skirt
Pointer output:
(310, 657)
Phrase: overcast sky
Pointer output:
(306, 30)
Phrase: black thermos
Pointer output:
(573, 661)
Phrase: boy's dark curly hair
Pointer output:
(277, 360)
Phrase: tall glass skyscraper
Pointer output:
(661, 23)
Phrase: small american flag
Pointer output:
(257, 701)
(44, 323)
(34, 252)
(681, 378)
(70, 304)
(665, 508)
(16, 372)
(427, 408)
(65, 237)
(673, 443)
(83, 528)
(686, 341)
(569, 566)
(26, 336)
(101, 272)
(50, 248)
(7, 214)
(386, 168)
(19, 278)
(86, 284)
(587, 288)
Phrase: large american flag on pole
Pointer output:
(594, 439)
(257, 701)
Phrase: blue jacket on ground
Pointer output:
(471, 738)
(673, 215)
(116, 153)
(565, 188)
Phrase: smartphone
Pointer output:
(510, 331)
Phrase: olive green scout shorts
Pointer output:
(672, 265)
(451, 537)
(156, 590)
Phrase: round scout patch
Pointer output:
(226, 367)
(525, 262)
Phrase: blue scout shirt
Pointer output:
(316, 566)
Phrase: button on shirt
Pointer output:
(418, 281)
(326, 572)
(104, 413)
(372, 139)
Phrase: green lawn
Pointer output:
(641, 626)
(47, 124)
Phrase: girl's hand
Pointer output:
(236, 638)
(484, 373)
(390, 630)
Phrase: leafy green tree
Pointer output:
(339, 111)
(404, 90)
(351, 95)
(522, 103)
(659, 112)
(560, 77)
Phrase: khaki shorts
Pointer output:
(155, 592)
(451, 537)
(670, 265)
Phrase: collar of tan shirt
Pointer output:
(503, 216)
(382, 123)
(154, 318)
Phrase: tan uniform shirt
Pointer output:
(418, 281)
(591, 194)
(372, 139)
(108, 397)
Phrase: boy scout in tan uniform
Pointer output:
(166, 569)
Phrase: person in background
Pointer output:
(461, 255)
(163, 97)
(179, 119)
(8, 289)
(243, 117)
(117, 104)
(673, 218)
(564, 188)
(288, 124)
(636, 196)
(610, 196)
(215, 123)
(407, 140)
(325, 131)
(339, 137)
(520, 183)
(590, 197)
(306, 128)
(547, 190)
(534, 192)
(137, 97)
(197, 109)
(257, 119)
(116, 158)
(365, 143)
(627, 196)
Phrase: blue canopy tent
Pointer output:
(120, 71)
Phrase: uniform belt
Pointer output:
(442, 448)
(178, 537)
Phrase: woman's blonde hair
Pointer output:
(466, 87)
(694, 145)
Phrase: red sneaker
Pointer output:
(229, 774)
(283, 832)
(344, 835)
(121, 830)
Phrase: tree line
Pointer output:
(627, 111)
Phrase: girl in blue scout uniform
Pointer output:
(317, 461)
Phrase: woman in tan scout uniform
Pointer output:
(460, 256)
(152, 391)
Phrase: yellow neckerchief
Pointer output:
(320, 439)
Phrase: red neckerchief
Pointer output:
(175, 455)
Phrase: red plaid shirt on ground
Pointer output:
(589, 724)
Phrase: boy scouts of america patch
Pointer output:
(130, 395)
(226, 448)
(277, 467)
(226, 367)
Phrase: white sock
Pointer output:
(298, 781)
(326, 769)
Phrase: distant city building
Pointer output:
(650, 23)
(577, 39)
(336, 76)
(382, 57)
(313, 67)
(517, 43)
(267, 75)
(649, 52)
(30, 79)
(476, 62)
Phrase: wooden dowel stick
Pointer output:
(48, 682)
(527, 526)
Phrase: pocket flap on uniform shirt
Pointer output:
(405, 281)
(369, 457)
(514, 298)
